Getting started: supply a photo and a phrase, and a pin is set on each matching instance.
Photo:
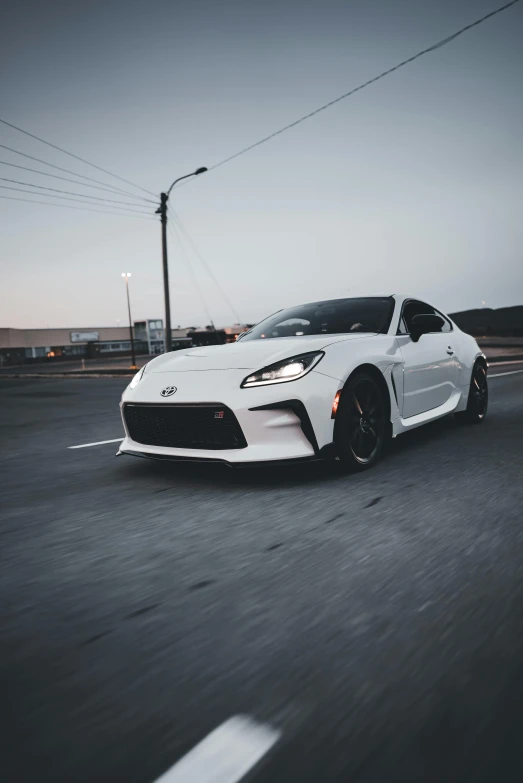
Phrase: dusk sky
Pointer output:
(414, 184)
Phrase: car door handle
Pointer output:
(450, 351)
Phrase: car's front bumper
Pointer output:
(280, 422)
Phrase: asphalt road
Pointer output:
(119, 363)
(375, 621)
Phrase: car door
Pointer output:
(430, 371)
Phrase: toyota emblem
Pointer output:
(168, 391)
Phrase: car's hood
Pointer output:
(245, 355)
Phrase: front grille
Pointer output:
(209, 426)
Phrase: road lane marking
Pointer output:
(226, 754)
(98, 443)
(501, 374)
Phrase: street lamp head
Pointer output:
(126, 274)
(165, 196)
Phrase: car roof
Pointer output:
(364, 295)
(325, 299)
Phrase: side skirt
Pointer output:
(452, 405)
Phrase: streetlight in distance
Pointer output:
(162, 211)
(126, 276)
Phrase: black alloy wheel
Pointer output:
(477, 403)
(361, 423)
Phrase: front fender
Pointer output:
(381, 352)
(342, 358)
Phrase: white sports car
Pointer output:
(328, 379)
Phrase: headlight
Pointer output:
(284, 371)
(137, 378)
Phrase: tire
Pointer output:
(477, 403)
(361, 423)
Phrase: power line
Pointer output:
(382, 75)
(76, 174)
(72, 193)
(187, 263)
(68, 198)
(72, 155)
(205, 264)
(74, 181)
(85, 209)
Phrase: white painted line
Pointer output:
(98, 443)
(501, 374)
(226, 754)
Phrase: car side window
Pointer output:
(412, 308)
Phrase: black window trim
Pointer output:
(407, 334)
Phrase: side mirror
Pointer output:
(424, 323)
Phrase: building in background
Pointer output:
(180, 339)
(211, 336)
(151, 332)
(232, 332)
(22, 346)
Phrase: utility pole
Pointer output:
(163, 217)
(126, 276)
(162, 211)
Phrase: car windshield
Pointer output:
(335, 316)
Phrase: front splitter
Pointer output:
(327, 452)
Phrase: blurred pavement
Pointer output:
(374, 619)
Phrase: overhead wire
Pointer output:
(77, 157)
(190, 270)
(77, 174)
(439, 44)
(204, 263)
(75, 181)
(78, 200)
(382, 75)
(72, 193)
(85, 209)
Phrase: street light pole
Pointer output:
(126, 276)
(162, 211)
(163, 217)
